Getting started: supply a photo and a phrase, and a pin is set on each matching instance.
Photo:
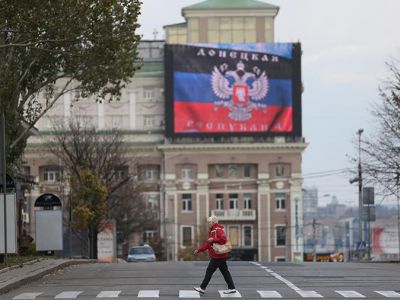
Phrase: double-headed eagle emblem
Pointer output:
(239, 91)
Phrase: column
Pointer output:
(263, 218)
(202, 203)
(171, 217)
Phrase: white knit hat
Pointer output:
(213, 219)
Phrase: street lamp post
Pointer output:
(4, 178)
(359, 180)
(398, 212)
(360, 204)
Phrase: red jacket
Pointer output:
(218, 235)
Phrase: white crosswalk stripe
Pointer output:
(193, 294)
(149, 294)
(188, 294)
(309, 294)
(68, 295)
(269, 294)
(233, 295)
(108, 294)
(26, 296)
(389, 294)
(350, 294)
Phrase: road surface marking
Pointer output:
(304, 294)
(68, 295)
(108, 294)
(149, 294)
(350, 294)
(269, 294)
(189, 294)
(233, 295)
(309, 294)
(27, 296)
(389, 294)
(285, 281)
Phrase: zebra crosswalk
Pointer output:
(193, 294)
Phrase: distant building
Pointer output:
(310, 202)
(252, 184)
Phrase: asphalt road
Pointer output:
(175, 280)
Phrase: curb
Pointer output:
(19, 266)
(29, 279)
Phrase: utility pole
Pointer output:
(3, 173)
(398, 212)
(360, 202)
(314, 224)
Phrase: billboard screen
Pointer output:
(233, 89)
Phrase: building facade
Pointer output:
(252, 184)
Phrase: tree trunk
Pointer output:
(93, 242)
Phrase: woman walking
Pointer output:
(217, 261)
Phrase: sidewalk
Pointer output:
(14, 277)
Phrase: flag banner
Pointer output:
(233, 89)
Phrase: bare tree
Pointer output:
(105, 155)
(381, 151)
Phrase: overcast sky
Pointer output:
(345, 46)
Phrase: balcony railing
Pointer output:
(235, 214)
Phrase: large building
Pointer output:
(251, 183)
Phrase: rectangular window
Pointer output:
(237, 36)
(233, 201)
(187, 173)
(238, 23)
(149, 172)
(250, 23)
(148, 94)
(225, 36)
(219, 201)
(247, 200)
(280, 199)
(187, 202)
(219, 171)
(186, 236)
(152, 201)
(250, 36)
(247, 236)
(213, 24)
(52, 174)
(213, 36)
(148, 235)
(279, 170)
(149, 121)
(280, 233)
(247, 171)
(121, 172)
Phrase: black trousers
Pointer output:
(213, 265)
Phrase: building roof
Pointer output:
(230, 4)
(183, 24)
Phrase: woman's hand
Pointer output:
(210, 240)
(195, 251)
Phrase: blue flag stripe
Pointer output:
(195, 87)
